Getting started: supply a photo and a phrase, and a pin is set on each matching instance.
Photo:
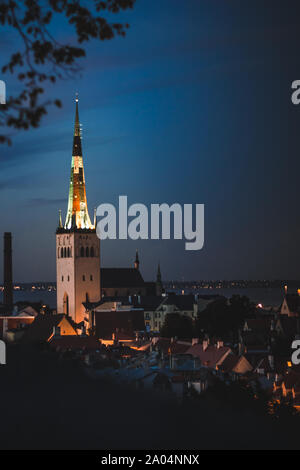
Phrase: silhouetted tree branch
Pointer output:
(43, 58)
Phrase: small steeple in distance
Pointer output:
(60, 225)
(159, 284)
(137, 261)
(77, 214)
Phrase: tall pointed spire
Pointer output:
(137, 261)
(158, 275)
(159, 284)
(77, 214)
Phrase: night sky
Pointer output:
(193, 106)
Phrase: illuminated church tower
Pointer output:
(77, 245)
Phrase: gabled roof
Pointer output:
(293, 302)
(41, 328)
(210, 356)
(27, 311)
(229, 363)
(121, 277)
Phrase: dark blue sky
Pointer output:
(193, 106)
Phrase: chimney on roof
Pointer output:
(7, 277)
(271, 361)
(137, 261)
(285, 289)
(220, 344)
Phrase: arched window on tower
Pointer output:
(69, 252)
(92, 254)
(61, 252)
(87, 252)
(82, 252)
(65, 252)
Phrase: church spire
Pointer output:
(159, 284)
(77, 214)
(137, 261)
(158, 275)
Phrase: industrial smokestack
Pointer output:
(8, 283)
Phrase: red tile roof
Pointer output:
(176, 347)
(211, 356)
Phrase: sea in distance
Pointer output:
(271, 296)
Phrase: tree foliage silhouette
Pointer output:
(44, 59)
